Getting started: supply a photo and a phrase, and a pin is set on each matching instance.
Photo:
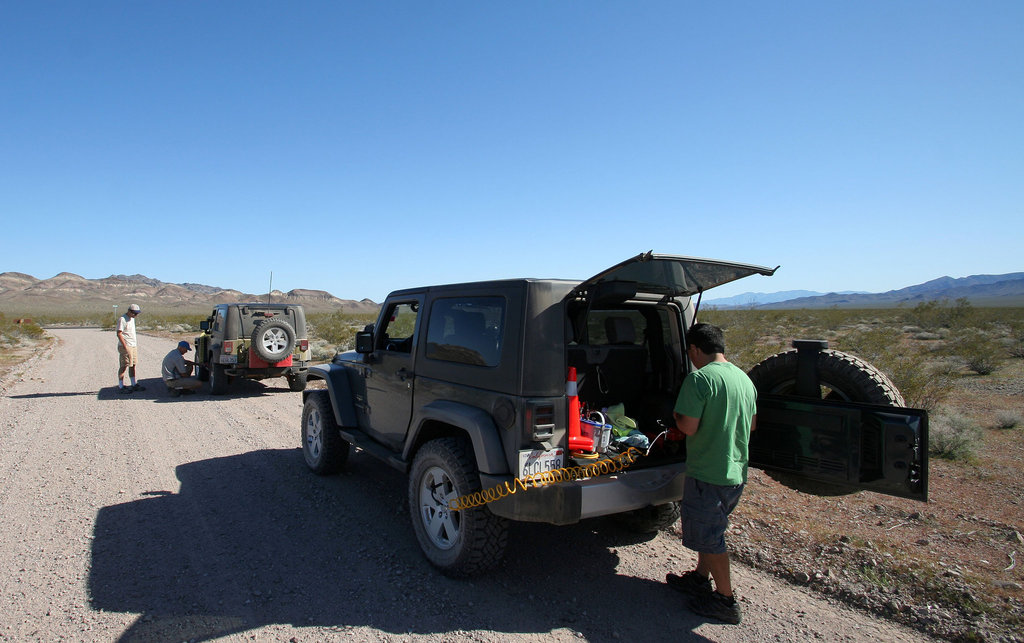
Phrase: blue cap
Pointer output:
(185, 345)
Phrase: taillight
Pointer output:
(543, 424)
(303, 345)
(228, 348)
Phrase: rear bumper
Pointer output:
(271, 371)
(569, 502)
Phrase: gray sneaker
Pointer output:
(716, 606)
(691, 583)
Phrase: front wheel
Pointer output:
(322, 446)
(459, 543)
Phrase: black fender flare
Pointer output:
(339, 391)
(475, 422)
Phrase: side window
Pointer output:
(466, 330)
(397, 335)
(218, 321)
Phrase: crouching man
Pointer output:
(177, 371)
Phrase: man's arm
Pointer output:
(753, 424)
(686, 424)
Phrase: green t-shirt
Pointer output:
(725, 400)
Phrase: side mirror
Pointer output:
(364, 342)
(204, 325)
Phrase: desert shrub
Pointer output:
(1007, 419)
(935, 314)
(1016, 339)
(12, 333)
(750, 335)
(321, 350)
(979, 351)
(338, 329)
(911, 369)
(954, 437)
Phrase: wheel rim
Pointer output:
(275, 340)
(828, 391)
(441, 524)
(314, 434)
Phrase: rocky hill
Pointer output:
(67, 291)
(980, 290)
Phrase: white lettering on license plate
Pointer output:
(539, 461)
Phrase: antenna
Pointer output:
(270, 291)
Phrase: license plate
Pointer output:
(229, 359)
(538, 461)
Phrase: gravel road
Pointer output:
(151, 518)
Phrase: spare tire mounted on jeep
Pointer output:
(273, 340)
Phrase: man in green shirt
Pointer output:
(716, 410)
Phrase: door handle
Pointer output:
(403, 374)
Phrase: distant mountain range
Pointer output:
(24, 294)
(21, 293)
(980, 290)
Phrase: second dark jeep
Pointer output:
(253, 341)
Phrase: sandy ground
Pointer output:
(151, 518)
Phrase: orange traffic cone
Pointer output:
(577, 442)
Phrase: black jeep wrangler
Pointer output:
(465, 388)
(253, 341)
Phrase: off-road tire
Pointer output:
(458, 543)
(272, 340)
(218, 380)
(323, 448)
(297, 382)
(649, 520)
(842, 377)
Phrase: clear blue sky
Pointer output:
(358, 147)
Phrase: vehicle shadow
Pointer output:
(255, 539)
(155, 390)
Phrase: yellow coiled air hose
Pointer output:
(544, 478)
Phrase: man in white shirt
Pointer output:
(126, 350)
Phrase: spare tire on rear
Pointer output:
(842, 377)
(273, 340)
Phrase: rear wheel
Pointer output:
(459, 543)
(218, 380)
(297, 382)
(649, 519)
(322, 446)
(842, 377)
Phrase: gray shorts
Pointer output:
(706, 508)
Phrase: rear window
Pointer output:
(466, 330)
(615, 327)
